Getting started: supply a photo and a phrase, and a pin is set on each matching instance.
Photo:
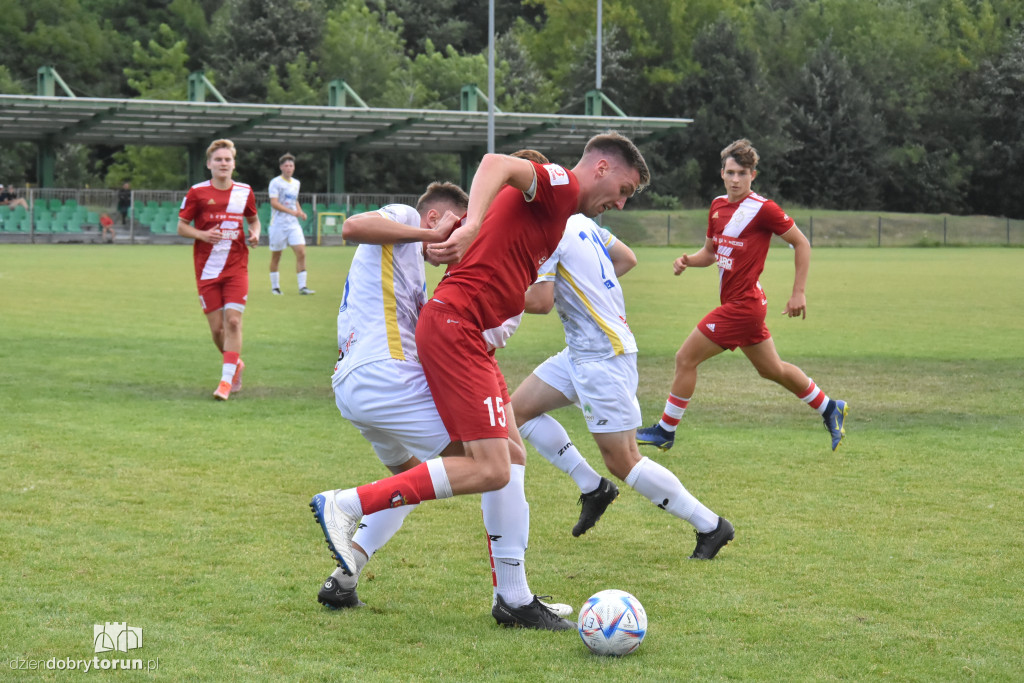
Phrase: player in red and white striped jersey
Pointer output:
(220, 215)
(740, 227)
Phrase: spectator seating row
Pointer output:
(49, 216)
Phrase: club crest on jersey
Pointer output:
(396, 500)
(557, 174)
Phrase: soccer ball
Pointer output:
(612, 622)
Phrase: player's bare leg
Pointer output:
(695, 350)
(766, 360)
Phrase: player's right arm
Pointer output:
(373, 228)
(699, 259)
(495, 171)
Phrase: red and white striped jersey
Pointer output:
(211, 208)
(742, 232)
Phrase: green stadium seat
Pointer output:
(359, 208)
(43, 225)
(51, 205)
(170, 205)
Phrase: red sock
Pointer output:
(231, 357)
(408, 488)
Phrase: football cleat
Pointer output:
(236, 381)
(708, 544)
(559, 608)
(655, 436)
(276, 291)
(338, 527)
(223, 391)
(306, 290)
(835, 423)
(594, 504)
(334, 596)
(534, 615)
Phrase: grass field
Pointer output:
(127, 494)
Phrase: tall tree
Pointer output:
(250, 36)
(832, 161)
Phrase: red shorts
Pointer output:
(737, 323)
(464, 379)
(224, 292)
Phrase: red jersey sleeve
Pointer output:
(189, 207)
(250, 204)
(556, 188)
(775, 219)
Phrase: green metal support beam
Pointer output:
(336, 170)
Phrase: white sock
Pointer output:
(227, 371)
(377, 529)
(507, 523)
(348, 500)
(439, 478)
(275, 280)
(346, 581)
(665, 490)
(551, 440)
(302, 279)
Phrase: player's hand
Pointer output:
(446, 226)
(680, 264)
(254, 238)
(300, 214)
(454, 248)
(796, 306)
(211, 236)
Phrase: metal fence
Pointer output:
(152, 217)
(72, 215)
(829, 229)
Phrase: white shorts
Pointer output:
(389, 403)
(605, 390)
(288, 236)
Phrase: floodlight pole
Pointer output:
(490, 77)
(597, 85)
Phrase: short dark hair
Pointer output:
(624, 148)
(286, 157)
(443, 192)
(531, 155)
(743, 153)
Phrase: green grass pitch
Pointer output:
(127, 494)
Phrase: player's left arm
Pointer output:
(623, 258)
(540, 297)
(797, 304)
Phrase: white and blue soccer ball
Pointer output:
(613, 623)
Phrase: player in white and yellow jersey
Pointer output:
(380, 388)
(597, 371)
(285, 229)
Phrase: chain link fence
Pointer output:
(828, 229)
(74, 215)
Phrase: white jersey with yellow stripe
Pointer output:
(587, 293)
(384, 292)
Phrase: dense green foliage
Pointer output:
(900, 105)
